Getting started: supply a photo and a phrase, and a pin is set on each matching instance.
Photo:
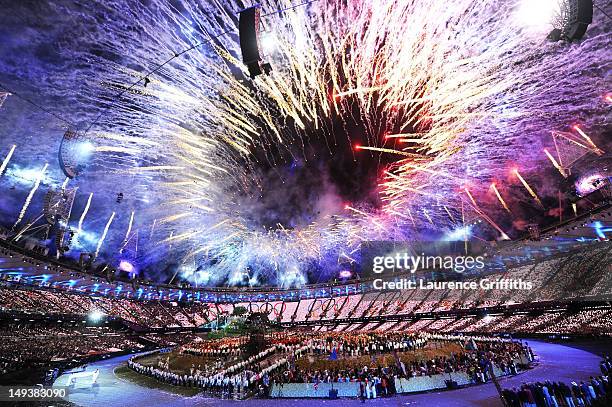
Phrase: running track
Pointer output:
(557, 362)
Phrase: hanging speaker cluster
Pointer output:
(578, 16)
(249, 31)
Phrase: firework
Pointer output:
(500, 198)
(7, 159)
(85, 210)
(26, 204)
(428, 217)
(554, 162)
(490, 221)
(445, 100)
(594, 147)
(528, 188)
(390, 151)
(469, 194)
(450, 215)
(101, 240)
(129, 229)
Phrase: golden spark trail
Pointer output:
(357, 211)
(101, 241)
(405, 136)
(7, 159)
(191, 200)
(111, 149)
(172, 218)
(411, 140)
(528, 188)
(486, 217)
(157, 168)
(554, 162)
(448, 213)
(352, 260)
(500, 198)
(390, 151)
(359, 90)
(152, 228)
(428, 170)
(188, 235)
(588, 139)
(219, 224)
(182, 236)
(469, 194)
(400, 188)
(39, 178)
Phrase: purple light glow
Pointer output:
(590, 184)
(126, 266)
(345, 274)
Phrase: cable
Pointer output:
(146, 76)
(12, 92)
(602, 10)
(290, 8)
(118, 95)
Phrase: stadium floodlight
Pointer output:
(541, 13)
(345, 274)
(95, 316)
(125, 265)
(268, 43)
(250, 41)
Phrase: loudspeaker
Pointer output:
(580, 11)
(248, 29)
(580, 15)
(576, 31)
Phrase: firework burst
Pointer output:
(446, 92)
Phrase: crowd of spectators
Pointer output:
(157, 314)
(595, 392)
(151, 314)
(32, 346)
